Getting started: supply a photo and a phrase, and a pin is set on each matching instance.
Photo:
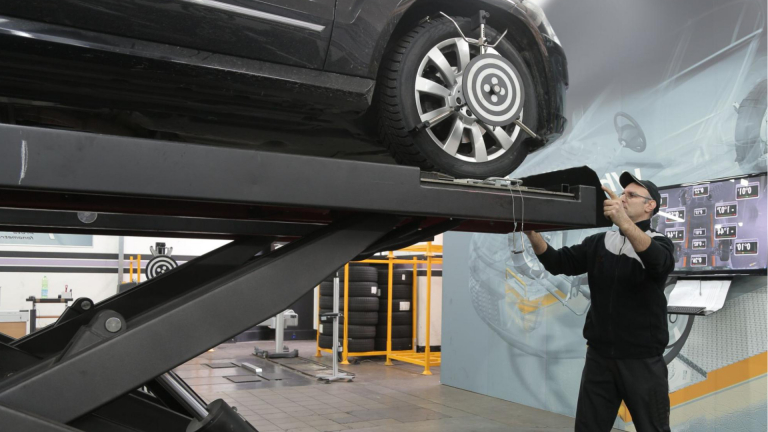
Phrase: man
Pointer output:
(626, 327)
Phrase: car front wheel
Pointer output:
(445, 106)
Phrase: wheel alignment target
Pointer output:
(492, 87)
(159, 265)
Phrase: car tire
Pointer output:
(353, 331)
(398, 109)
(354, 304)
(356, 289)
(400, 277)
(399, 344)
(398, 318)
(398, 331)
(357, 273)
(359, 318)
(353, 345)
(397, 305)
(403, 292)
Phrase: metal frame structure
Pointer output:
(101, 365)
(426, 359)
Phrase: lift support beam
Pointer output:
(83, 371)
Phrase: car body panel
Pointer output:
(87, 69)
(361, 32)
(291, 32)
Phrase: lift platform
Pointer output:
(84, 371)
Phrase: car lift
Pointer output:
(281, 351)
(105, 366)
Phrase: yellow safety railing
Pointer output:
(138, 269)
(426, 359)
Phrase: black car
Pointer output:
(439, 83)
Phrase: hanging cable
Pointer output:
(518, 183)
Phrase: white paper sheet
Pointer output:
(709, 294)
(722, 287)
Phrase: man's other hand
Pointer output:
(613, 209)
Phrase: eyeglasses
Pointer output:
(634, 195)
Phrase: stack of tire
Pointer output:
(363, 306)
(402, 310)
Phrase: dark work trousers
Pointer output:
(641, 383)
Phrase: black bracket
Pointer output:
(329, 316)
(428, 124)
(479, 19)
(105, 325)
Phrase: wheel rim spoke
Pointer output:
(500, 136)
(427, 86)
(451, 145)
(446, 71)
(463, 49)
(429, 116)
(481, 155)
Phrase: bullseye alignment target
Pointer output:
(493, 90)
(159, 265)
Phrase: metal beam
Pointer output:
(131, 413)
(185, 178)
(176, 331)
(147, 225)
(16, 420)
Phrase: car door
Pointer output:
(291, 32)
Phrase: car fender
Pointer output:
(361, 31)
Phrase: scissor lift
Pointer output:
(85, 371)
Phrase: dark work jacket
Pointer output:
(628, 315)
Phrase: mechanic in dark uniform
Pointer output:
(626, 327)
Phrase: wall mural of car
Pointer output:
(439, 84)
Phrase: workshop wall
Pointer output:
(667, 90)
(83, 263)
(183, 250)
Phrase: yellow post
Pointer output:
(429, 306)
(138, 269)
(415, 289)
(318, 354)
(345, 352)
(130, 274)
(391, 256)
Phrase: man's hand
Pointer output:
(613, 209)
(538, 243)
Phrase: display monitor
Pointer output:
(717, 226)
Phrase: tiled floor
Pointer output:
(380, 399)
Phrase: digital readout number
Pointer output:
(745, 247)
(676, 235)
(698, 260)
(725, 232)
(700, 191)
(726, 210)
(748, 191)
(675, 215)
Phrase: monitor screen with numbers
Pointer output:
(718, 226)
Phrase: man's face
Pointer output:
(636, 207)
